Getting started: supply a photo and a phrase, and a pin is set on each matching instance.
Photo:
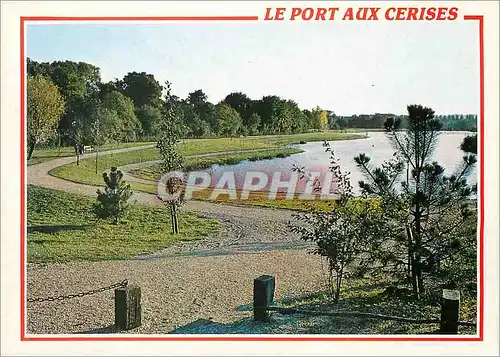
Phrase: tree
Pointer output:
(241, 103)
(129, 127)
(45, 105)
(344, 231)
(113, 201)
(229, 120)
(254, 124)
(197, 98)
(142, 88)
(469, 144)
(78, 84)
(101, 129)
(149, 116)
(323, 120)
(267, 109)
(169, 134)
(425, 218)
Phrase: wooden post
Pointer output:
(450, 309)
(128, 307)
(263, 296)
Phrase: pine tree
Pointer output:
(113, 201)
(427, 216)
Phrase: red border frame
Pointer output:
(235, 338)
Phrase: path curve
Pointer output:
(128, 177)
(245, 229)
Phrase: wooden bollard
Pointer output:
(263, 296)
(450, 310)
(128, 307)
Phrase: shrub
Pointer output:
(113, 201)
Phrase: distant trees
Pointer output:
(78, 84)
(452, 122)
(461, 122)
(136, 100)
(142, 88)
(128, 127)
(45, 106)
(149, 116)
(134, 103)
(229, 120)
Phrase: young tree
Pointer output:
(425, 217)
(45, 106)
(101, 128)
(113, 201)
(169, 134)
(344, 232)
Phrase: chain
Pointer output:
(90, 292)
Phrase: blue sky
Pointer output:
(359, 67)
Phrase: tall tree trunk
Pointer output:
(175, 224)
(418, 216)
(96, 156)
(31, 148)
(339, 284)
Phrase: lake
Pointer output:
(377, 146)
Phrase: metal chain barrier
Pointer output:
(121, 284)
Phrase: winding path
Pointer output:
(205, 279)
(246, 229)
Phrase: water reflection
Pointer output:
(377, 146)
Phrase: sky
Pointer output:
(350, 68)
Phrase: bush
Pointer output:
(113, 201)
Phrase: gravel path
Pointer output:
(245, 228)
(206, 279)
(175, 291)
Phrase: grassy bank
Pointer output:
(46, 154)
(307, 137)
(61, 227)
(153, 172)
(86, 173)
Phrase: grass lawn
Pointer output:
(153, 172)
(61, 227)
(86, 173)
(45, 154)
(369, 296)
(330, 135)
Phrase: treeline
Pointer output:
(130, 108)
(452, 122)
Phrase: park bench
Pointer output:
(87, 148)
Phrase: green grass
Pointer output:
(61, 228)
(153, 172)
(46, 154)
(329, 135)
(86, 173)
